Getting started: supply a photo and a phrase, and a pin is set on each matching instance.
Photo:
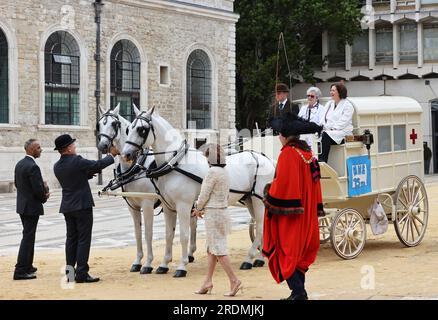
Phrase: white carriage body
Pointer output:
(393, 154)
(398, 157)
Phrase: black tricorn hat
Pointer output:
(281, 87)
(291, 125)
(63, 141)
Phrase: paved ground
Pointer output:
(113, 226)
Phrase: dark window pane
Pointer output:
(125, 77)
(198, 91)
(62, 79)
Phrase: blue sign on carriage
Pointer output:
(359, 175)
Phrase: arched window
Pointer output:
(61, 65)
(198, 91)
(125, 77)
(4, 79)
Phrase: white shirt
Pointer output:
(283, 103)
(316, 113)
(28, 155)
(338, 122)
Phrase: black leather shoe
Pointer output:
(32, 269)
(88, 279)
(24, 276)
(296, 297)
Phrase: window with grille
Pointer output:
(125, 78)
(336, 52)
(4, 79)
(360, 50)
(430, 35)
(61, 65)
(198, 91)
(384, 44)
(408, 42)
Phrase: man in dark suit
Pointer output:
(73, 172)
(32, 192)
(282, 105)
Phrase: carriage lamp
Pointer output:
(367, 140)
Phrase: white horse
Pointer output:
(249, 172)
(112, 129)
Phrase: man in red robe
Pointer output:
(293, 202)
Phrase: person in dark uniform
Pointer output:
(73, 172)
(283, 105)
(32, 192)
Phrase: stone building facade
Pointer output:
(152, 54)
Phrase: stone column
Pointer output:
(420, 44)
(372, 48)
(395, 45)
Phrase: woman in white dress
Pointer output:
(337, 120)
(212, 205)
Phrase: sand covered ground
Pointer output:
(399, 272)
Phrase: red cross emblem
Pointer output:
(413, 136)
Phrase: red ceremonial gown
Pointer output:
(291, 232)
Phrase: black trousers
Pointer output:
(326, 143)
(77, 245)
(296, 283)
(27, 245)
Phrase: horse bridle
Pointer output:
(116, 126)
(142, 131)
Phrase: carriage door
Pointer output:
(434, 110)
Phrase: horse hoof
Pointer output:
(191, 259)
(162, 270)
(146, 270)
(246, 266)
(180, 274)
(258, 263)
(135, 268)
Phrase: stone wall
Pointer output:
(165, 33)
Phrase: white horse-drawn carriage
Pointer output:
(357, 174)
(389, 171)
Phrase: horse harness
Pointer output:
(142, 131)
(116, 126)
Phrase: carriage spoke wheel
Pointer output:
(411, 211)
(348, 233)
(324, 229)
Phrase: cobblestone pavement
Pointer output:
(113, 226)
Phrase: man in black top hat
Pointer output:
(283, 104)
(73, 172)
(32, 192)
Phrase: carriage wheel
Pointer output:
(348, 233)
(324, 229)
(411, 211)
(252, 229)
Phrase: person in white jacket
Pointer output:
(212, 205)
(312, 112)
(337, 120)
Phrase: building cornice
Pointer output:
(181, 7)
